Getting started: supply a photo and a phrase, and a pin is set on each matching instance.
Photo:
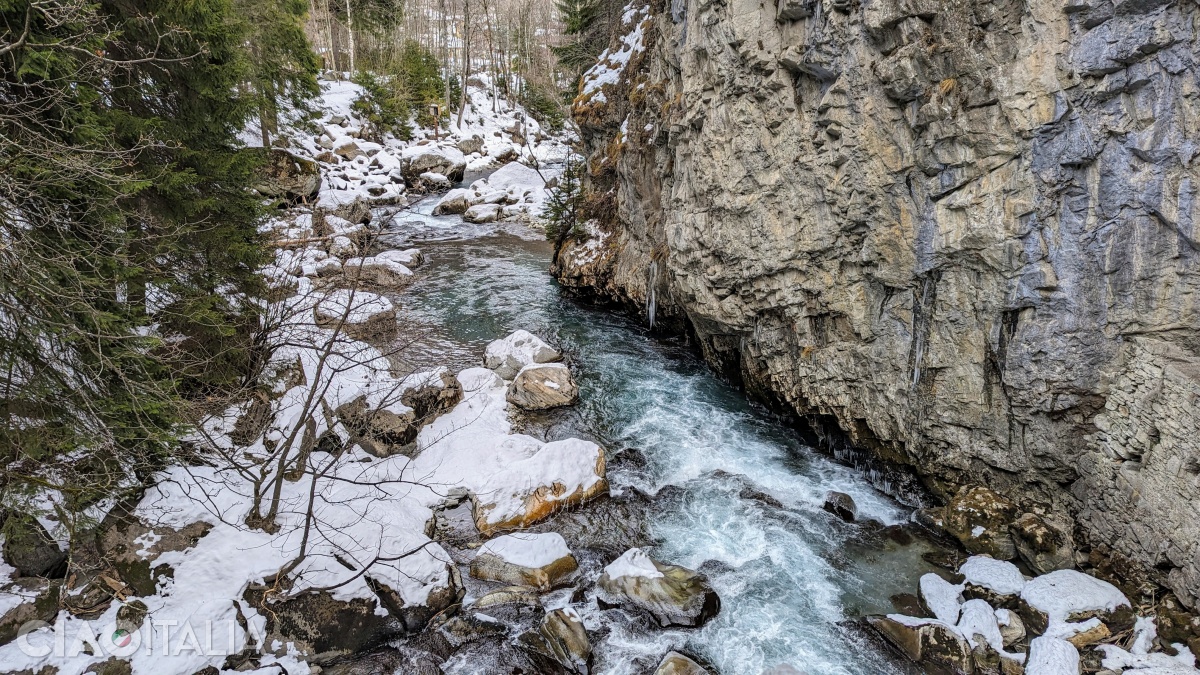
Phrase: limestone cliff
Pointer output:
(968, 231)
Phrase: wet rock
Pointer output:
(542, 386)
(608, 526)
(469, 627)
(509, 355)
(925, 641)
(286, 176)
(444, 594)
(385, 660)
(541, 561)
(673, 595)
(512, 604)
(675, 663)
(31, 550)
(561, 640)
(1043, 546)
(841, 505)
(979, 519)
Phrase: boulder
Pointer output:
(541, 561)
(361, 314)
(378, 271)
(1012, 629)
(509, 355)
(387, 422)
(675, 663)
(28, 599)
(511, 603)
(561, 640)
(926, 641)
(435, 181)
(541, 386)
(471, 145)
(999, 582)
(30, 549)
(673, 595)
(348, 150)
(441, 589)
(557, 476)
(1069, 597)
(286, 176)
(979, 519)
(321, 626)
(482, 213)
(1044, 546)
(942, 599)
(419, 159)
(1052, 656)
(841, 505)
(453, 202)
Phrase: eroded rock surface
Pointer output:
(966, 232)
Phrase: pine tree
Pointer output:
(128, 237)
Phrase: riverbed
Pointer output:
(722, 485)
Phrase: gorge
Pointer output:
(965, 234)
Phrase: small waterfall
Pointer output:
(650, 291)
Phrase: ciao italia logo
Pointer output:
(67, 639)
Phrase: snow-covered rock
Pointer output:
(514, 480)
(1052, 656)
(541, 386)
(377, 270)
(997, 576)
(453, 202)
(482, 213)
(509, 355)
(445, 160)
(1065, 599)
(540, 560)
(673, 595)
(926, 641)
(360, 313)
(942, 598)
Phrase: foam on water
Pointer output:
(787, 572)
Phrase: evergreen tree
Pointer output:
(282, 65)
(128, 237)
(561, 215)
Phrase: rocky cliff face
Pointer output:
(968, 231)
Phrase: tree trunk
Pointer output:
(462, 102)
(350, 30)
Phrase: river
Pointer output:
(732, 489)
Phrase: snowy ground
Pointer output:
(349, 522)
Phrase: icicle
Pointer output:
(650, 293)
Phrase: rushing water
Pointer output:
(788, 573)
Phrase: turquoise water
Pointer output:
(788, 573)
